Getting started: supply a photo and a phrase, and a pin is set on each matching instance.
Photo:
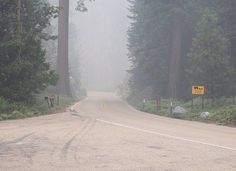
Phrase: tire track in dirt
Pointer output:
(59, 151)
(76, 138)
(17, 140)
(67, 136)
(22, 144)
(63, 135)
(67, 145)
(81, 136)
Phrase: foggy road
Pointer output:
(104, 133)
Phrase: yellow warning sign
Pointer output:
(198, 90)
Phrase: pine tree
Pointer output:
(209, 61)
(23, 70)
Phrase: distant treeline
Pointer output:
(176, 44)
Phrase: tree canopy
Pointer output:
(23, 68)
(174, 45)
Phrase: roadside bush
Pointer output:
(222, 110)
(4, 105)
(226, 116)
(150, 107)
(37, 107)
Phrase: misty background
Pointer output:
(98, 39)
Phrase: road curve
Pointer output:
(104, 133)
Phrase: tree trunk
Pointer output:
(18, 9)
(63, 85)
(176, 50)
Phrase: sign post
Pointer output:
(192, 103)
(203, 103)
(198, 90)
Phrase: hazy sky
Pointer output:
(102, 40)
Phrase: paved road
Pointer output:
(104, 133)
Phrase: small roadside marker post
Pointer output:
(158, 104)
(58, 100)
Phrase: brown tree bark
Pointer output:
(63, 85)
(176, 49)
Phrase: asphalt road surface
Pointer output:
(104, 133)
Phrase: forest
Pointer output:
(26, 70)
(117, 85)
(174, 45)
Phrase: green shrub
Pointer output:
(150, 107)
(16, 114)
(37, 107)
(4, 105)
(225, 116)
(4, 116)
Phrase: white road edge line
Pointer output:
(165, 135)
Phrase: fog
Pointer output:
(101, 39)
